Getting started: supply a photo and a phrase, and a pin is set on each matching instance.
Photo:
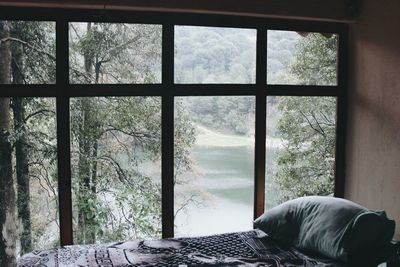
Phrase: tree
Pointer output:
(307, 124)
(22, 44)
(108, 146)
(29, 41)
(114, 137)
(7, 194)
(21, 149)
(184, 138)
(105, 48)
(22, 173)
(229, 114)
(214, 55)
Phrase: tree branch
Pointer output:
(310, 124)
(42, 111)
(317, 122)
(28, 45)
(132, 134)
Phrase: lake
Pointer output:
(224, 182)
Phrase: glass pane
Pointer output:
(214, 164)
(116, 174)
(300, 146)
(214, 55)
(27, 52)
(28, 174)
(301, 58)
(113, 53)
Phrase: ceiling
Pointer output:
(326, 10)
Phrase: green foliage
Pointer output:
(301, 58)
(315, 60)
(214, 55)
(305, 165)
(307, 124)
(111, 189)
(123, 199)
(115, 138)
(224, 114)
(39, 132)
(39, 50)
(184, 138)
(115, 53)
(116, 141)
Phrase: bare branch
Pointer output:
(42, 111)
(191, 199)
(318, 124)
(132, 134)
(310, 123)
(37, 49)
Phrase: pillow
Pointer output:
(334, 227)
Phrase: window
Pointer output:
(137, 126)
(300, 147)
(214, 184)
(214, 55)
(114, 53)
(302, 58)
(23, 42)
(115, 158)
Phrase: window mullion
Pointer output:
(167, 137)
(63, 134)
(260, 127)
(341, 111)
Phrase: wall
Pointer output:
(373, 130)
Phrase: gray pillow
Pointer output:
(334, 227)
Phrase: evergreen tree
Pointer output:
(307, 124)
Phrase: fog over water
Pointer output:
(226, 174)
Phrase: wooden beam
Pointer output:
(328, 10)
(63, 137)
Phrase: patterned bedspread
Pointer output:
(252, 248)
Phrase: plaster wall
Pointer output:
(373, 130)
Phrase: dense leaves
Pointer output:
(214, 55)
(113, 138)
(307, 124)
(115, 53)
(233, 115)
(301, 58)
(116, 140)
(32, 135)
(37, 41)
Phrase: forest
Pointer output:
(116, 141)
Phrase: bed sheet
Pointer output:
(251, 248)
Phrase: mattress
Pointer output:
(251, 248)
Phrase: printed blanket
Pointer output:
(252, 248)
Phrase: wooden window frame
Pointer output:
(62, 90)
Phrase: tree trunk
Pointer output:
(21, 152)
(94, 167)
(87, 162)
(86, 235)
(8, 233)
(22, 170)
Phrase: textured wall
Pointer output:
(373, 130)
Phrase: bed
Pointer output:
(251, 248)
(310, 231)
